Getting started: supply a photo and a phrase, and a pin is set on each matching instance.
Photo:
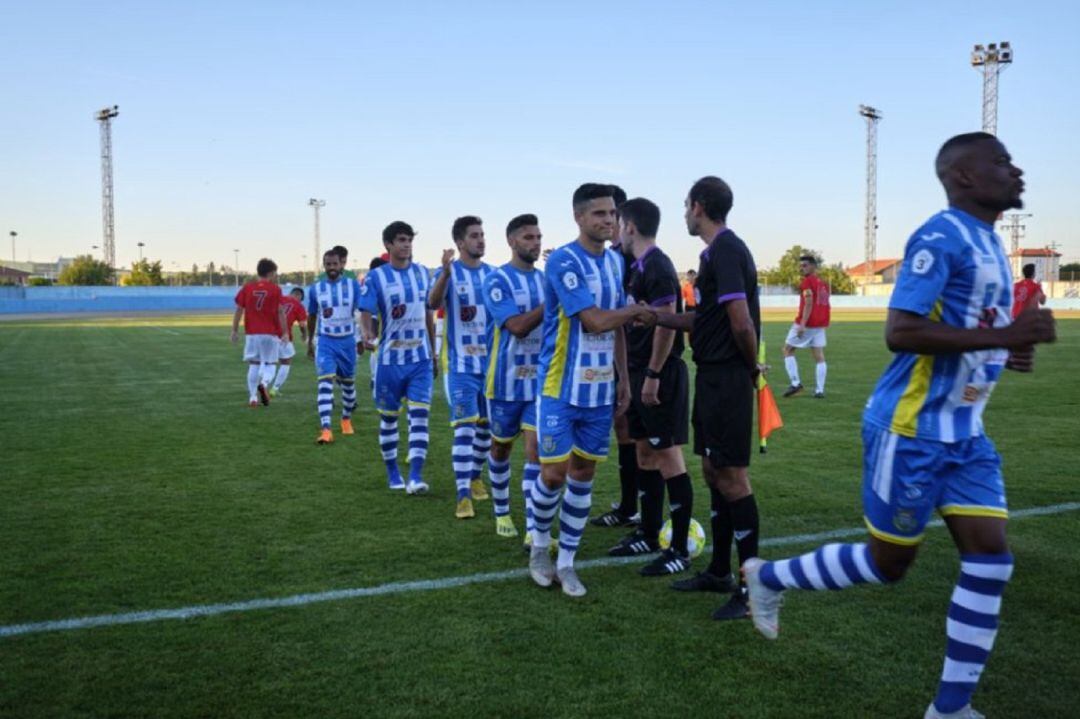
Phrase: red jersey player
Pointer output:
(809, 327)
(294, 314)
(259, 303)
(1025, 290)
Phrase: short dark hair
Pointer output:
(618, 194)
(265, 267)
(462, 225)
(520, 221)
(294, 290)
(715, 197)
(395, 228)
(341, 252)
(954, 147)
(1029, 270)
(592, 191)
(376, 262)
(808, 258)
(643, 213)
(691, 272)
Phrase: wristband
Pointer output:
(651, 373)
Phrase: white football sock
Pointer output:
(267, 373)
(282, 375)
(819, 375)
(253, 380)
(792, 368)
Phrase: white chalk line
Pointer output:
(424, 585)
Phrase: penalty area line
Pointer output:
(424, 585)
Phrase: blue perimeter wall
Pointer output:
(31, 300)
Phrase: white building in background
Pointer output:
(1047, 263)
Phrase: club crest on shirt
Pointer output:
(397, 312)
(327, 312)
(468, 313)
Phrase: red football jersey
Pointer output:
(294, 312)
(260, 301)
(1023, 291)
(819, 312)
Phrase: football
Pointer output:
(695, 540)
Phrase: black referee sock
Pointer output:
(628, 472)
(723, 534)
(681, 500)
(744, 522)
(652, 502)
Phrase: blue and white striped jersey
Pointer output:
(467, 325)
(955, 271)
(514, 361)
(399, 298)
(576, 366)
(335, 304)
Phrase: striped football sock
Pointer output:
(461, 455)
(348, 397)
(418, 432)
(481, 449)
(545, 506)
(388, 441)
(326, 401)
(499, 471)
(577, 498)
(529, 478)
(832, 566)
(971, 626)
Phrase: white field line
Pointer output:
(424, 585)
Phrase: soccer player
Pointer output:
(583, 343)
(259, 303)
(659, 413)
(397, 294)
(343, 256)
(514, 295)
(332, 305)
(809, 327)
(1025, 290)
(725, 326)
(467, 333)
(294, 314)
(924, 447)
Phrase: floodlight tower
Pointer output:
(990, 61)
(318, 205)
(1015, 229)
(872, 116)
(13, 234)
(105, 116)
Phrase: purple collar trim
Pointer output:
(639, 263)
(705, 252)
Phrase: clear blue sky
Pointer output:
(233, 114)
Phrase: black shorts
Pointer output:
(724, 414)
(668, 423)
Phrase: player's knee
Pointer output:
(789, 351)
(500, 452)
(892, 561)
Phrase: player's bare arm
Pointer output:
(622, 385)
(283, 323)
(742, 330)
(367, 326)
(909, 332)
(596, 320)
(522, 325)
(311, 320)
(680, 321)
(437, 294)
(663, 340)
(429, 320)
(235, 335)
(808, 307)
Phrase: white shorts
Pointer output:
(811, 337)
(261, 348)
(288, 351)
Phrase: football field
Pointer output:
(170, 552)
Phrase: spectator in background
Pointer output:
(688, 298)
(1025, 290)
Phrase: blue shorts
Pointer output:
(335, 357)
(509, 418)
(562, 429)
(396, 383)
(906, 479)
(465, 397)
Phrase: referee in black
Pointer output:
(725, 327)
(658, 417)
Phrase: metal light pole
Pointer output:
(236, 265)
(303, 270)
(140, 245)
(873, 116)
(318, 205)
(105, 116)
(13, 234)
(990, 61)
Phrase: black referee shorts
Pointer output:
(666, 424)
(724, 414)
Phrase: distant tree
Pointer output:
(145, 273)
(1069, 272)
(85, 270)
(786, 272)
(40, 282)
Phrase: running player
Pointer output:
(514, 295)
(659, 414)
(924, 446)
(725, 327)
(1026, 289)
(809, 327)
(583, 343)
(332, 305)
(294, 314)
(259, 303)
(397, 294)
(464, 359)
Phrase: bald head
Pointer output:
(978, 175)
(958, 151)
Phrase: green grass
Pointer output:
(135, 477)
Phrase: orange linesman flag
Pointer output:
(768, 413)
